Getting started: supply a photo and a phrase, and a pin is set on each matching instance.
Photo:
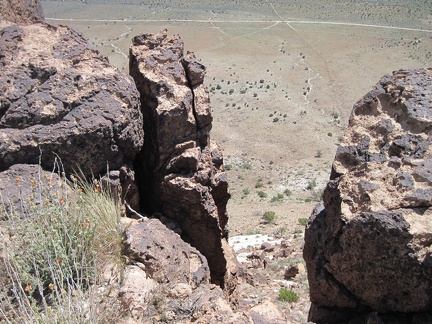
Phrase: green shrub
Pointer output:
(262, 194)
(303, 221)
(287, 192)
(59, 245)
(288, 295)
(269, 217)
(258, 185)
(247, 166)
(311, 185)
(246, 191)
(277, 198)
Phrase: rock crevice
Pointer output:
(180, 170)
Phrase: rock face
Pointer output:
(21, 11)
(164, 256)
(59, 99)
(166, 276)
(181, 171)
(368, 248)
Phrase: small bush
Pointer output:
(246, 191)
(59, 249)
(262, 194)
(275, 120)
(269, 217)
(247, 166)
(258, 185)
(311, 185)
(287, 192)
(277, 198)
(288, 295)
(303, 221)
(228, 167)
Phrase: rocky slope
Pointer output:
(368, 247)
(21, 11)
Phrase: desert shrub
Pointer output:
(287, 192)
(247, 166)
(228, 166)
(277, 198)
(280, 231)
(269, 217)
(246, 191)
(288, 295)
(275, 120)
(55, 249)
(231, 91)
(311, 185)
(303, 221)
(262, 194)
(258, 184)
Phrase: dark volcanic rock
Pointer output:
(25, 184)
(21, 11)
(368, 250)
(60, 99)
(164, 255)
(181, 171)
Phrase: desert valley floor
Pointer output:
(282, 78)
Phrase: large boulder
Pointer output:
(163, 255)
(368, 248)
(167, 278)
(62, 103)
(180, 170)
(21, 11)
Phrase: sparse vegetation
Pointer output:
(288, 295)
(303, 221)
(287, 192)
(269, 217)
(55, 251)
(262, 194)
(311, 185)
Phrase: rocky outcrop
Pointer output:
(181, 172)
(164, 256)
(60, 100)
(368, 247)
(168, 280)
(21, 11)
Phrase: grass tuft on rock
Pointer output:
(55, 248)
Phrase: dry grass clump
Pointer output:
(54, 250)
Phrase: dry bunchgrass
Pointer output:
(55, 251)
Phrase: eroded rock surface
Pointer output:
(167, 278)
(181, 169)
(61, 100)
(21, 11)
(164, 255)
(368, 248)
